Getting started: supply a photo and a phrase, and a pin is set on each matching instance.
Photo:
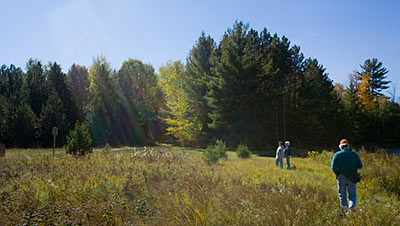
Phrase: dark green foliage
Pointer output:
(141, 99)
(53, 115)
(263, 90)
(233, 92)
(210, 156)
(79, 82)
(64, 91)
(215, 152)
(19, 125)
(60, 109)
(375, 68)
(257, 88)
(243, 151)
(319, 102)
(251, 87)
(198, 74)
(35, 84)
(122, 109)
(103, 99)
(79, 141)
(221, 149)
(377, 124)
(3, 118)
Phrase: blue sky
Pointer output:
(340, 34)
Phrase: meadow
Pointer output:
(168, 185)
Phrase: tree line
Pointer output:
(121, 107)
(251, 88)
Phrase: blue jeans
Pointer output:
(277, 161)
(287, 162)
(346, 186)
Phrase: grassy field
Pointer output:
(168, 185)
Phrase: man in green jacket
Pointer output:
(345, 164)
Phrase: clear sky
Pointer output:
(341, 34)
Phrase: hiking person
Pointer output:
(287, 154)
(345, 164)
(279, 154)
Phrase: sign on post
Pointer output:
(55, 133)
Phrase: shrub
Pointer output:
(243, 151)
(312, 154)
(220, 148)
(106, 149)
(210, 155)
(325, 157)
(215, 152)
(79, 141)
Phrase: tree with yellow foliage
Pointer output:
(181, 121)
(365, 97)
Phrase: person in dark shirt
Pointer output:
(287, 154)
(345, 164)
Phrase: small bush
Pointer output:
(106, 149)
(215, 152)
(79, 141)
(324, 157)
(312, 154)
(220, 148)
(210, 155)
(243, 151)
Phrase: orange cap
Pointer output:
(343, 141)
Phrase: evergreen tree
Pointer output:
(60, 83)
(280, 85)
(376, 75)
(18, 124)
(4, 124)
(233, 94)
(102, 103)
(35, 86)
(79, 82)
(26, 127)
(198, 75)
(53, 115)
(319, 102)
(79, 141)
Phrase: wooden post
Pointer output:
(55, 133)
(2, 150)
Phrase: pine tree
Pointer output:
(35, 86)
(233, 95)
(79, 141)
(4, 124)
(198, 75)
(79, 82)
(18, 124)
(376, 75)
(319, 102)
(53, 115)
(64, 91)
(103, 100)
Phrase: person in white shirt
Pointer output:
(279, 154)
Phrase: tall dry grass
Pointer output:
(157, 187)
